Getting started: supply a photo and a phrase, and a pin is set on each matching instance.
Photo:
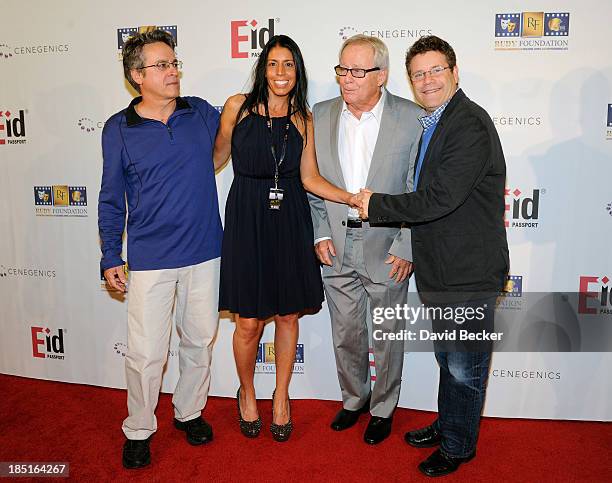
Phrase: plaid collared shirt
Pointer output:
(433, 118)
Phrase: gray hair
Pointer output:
(381, 53)
(132, 51)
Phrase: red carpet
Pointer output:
(51, 421)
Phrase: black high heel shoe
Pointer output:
(281, 432)
(250, 429)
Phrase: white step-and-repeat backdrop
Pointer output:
(542, 69)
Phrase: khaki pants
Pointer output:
(193, 293)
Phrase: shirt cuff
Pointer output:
(321, 239)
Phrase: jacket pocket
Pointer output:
(462, 260)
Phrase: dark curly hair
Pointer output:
(132, 51)
(430, 43)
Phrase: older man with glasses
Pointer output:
(158, 158)
(365, 137)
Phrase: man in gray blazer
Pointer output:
(366, 137)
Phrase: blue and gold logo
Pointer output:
(123, 34)
(507, 25)
(532, 31)
(60, 195)
(532, 24)
(265, 361)
(556, 24)
(514, 286)
(60, 200)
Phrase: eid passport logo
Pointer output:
(60, 200)
(522, 209)
(609, 123)
(514, 286)
(47, 344)
(265, 362)
(594, 295)
(248, 37)
(123, 34)
(532, 31)
(12, 127)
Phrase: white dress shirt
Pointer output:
(356, 143)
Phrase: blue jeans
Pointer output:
(461, 392)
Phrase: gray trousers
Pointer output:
(347, 294)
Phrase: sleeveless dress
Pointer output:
(268, 263)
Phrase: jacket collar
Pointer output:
(457, 98)
(132, 118)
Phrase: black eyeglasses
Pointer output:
(163, 66)
(357, 73)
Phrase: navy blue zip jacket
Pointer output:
(166, 173)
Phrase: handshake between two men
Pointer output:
(360, 202)
(325, 250)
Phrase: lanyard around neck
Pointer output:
(278, 161)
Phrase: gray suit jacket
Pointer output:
(391, 171)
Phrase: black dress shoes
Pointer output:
(439, 464)
(423, 438)
(345, 418)
(378, 430)
(136, 453)
(197, 430)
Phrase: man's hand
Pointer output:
(116, 278)
(400, 268)
(325, 249)
(364, 200)
(355, 201)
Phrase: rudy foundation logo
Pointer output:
(532, 31)
(512, 294)
(265, 362)
(123, 34)
(60, 200)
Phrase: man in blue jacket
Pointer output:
(158, 160)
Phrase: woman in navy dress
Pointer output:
(268, 264)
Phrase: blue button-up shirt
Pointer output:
(429, 124)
